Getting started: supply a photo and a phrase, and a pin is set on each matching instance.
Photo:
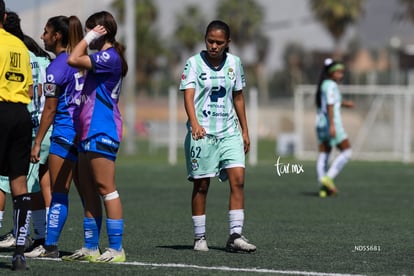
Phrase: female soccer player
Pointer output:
(329, 128)
(62, 89)
(100, 133)
(212, 82)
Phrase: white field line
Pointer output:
(218, 268)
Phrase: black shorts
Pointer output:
(15, 139)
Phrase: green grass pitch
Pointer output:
(367, 229)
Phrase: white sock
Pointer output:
(322, 165)
(1, 218)
(236, 219)
(39, 224)
(339, 163)
(47, 212)
(199, 223)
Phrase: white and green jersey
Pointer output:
(214, 87)
(43, 63)
(332, 96)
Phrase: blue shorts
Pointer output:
(64, 147)
(207, 157)
(101, 144)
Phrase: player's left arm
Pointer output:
(78, 57)
(348, 104)
(239, 107)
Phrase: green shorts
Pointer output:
(208, 156)
(33, 184)
(45, 146)
(322, 130)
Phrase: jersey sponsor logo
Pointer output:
(15, 60)
(231, 74)
(216, 93)
(217, 77)
(203, 76)
(220, 114)
(183, 76)
(50, 78)
(104, 57)
(34, 65)
(208, 113)
(12, 76)
(194, 164)
(50, 89)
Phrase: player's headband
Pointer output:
(336, 67)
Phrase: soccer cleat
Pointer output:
(323, 192)
(223, 176)
(200, 244)
(111, 256)
(35, 252)
(35, 243)
(328, 183)
(19, 263)
(7, 240)
(49, 251)
(237, 243)
(83, 254)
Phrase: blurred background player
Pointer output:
(329, 128)
(214, 144)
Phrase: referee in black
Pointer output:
(15, 130)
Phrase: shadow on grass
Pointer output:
(5, 265)
(188, 247)
(312, 194)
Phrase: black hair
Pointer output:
(34, 47)
(60, 24)
(106, 19)
(2, 10)
(219, 25)
(325, 74)
(12, 25)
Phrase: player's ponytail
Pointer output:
(328, 67)
(120, 48)
(75, 33)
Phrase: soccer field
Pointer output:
(366, 230)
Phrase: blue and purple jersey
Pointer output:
(99, 112)
(65, 83)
